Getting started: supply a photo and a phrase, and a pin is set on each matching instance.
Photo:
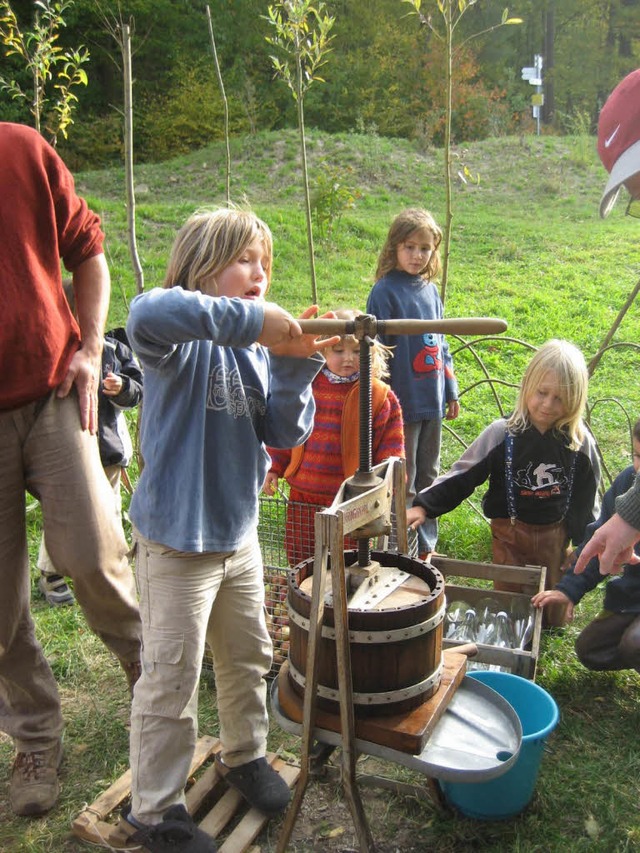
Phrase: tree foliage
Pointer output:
(385, 74)
(52, 70)
(301, 35)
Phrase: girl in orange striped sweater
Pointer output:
(316, 470)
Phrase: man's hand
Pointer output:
(415, 517)
(613, 544)
(84, 373)
(302, 346)
(92, 286)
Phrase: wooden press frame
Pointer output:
(361, 515)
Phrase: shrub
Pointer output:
(331, 196)
(190, 115)
(96, 141)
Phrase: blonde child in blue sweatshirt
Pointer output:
(225, 373)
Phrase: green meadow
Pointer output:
(527, 246)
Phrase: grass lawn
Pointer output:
(527, 246)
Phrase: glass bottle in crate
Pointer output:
(486, 610)
(484, 627)
(527, 636)
(466, 631)
(478, 665)
(486, 607)
(522, 618)
(505, 636)
(454, 617)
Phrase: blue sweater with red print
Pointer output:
(421, 368)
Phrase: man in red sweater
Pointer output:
(48, 404)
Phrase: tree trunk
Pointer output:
(549, 61)
(224, 101)
(446, 243)
(305, 180)
(128, 157)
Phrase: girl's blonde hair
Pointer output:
(567, 362)
(380, 354)
(209, 241)
(402, 227)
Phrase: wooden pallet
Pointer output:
(99, 822)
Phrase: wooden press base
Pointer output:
(98, 823)
(405, 732)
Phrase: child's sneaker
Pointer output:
(55, 589)
(260, 785)
(177, 833)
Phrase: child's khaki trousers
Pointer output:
(185, 600)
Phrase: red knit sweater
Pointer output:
(41, 221)
(321, 472)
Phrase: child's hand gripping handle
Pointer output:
(446, 326)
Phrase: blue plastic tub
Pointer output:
(509, 794)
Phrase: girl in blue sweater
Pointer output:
(422, 374)
(225, 373)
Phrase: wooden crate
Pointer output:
(518, 661)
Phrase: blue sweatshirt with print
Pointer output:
(213, 399)
(421, 368)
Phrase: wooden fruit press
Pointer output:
(362, 509)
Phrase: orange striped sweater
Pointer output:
(322, 468)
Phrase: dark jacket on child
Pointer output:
(113, 436)
(622, 592)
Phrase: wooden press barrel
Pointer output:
(396, 647)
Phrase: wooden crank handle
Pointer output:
(446, 326)
(468, 649)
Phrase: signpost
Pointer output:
(533, 75)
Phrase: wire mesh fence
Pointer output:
(286, 534)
